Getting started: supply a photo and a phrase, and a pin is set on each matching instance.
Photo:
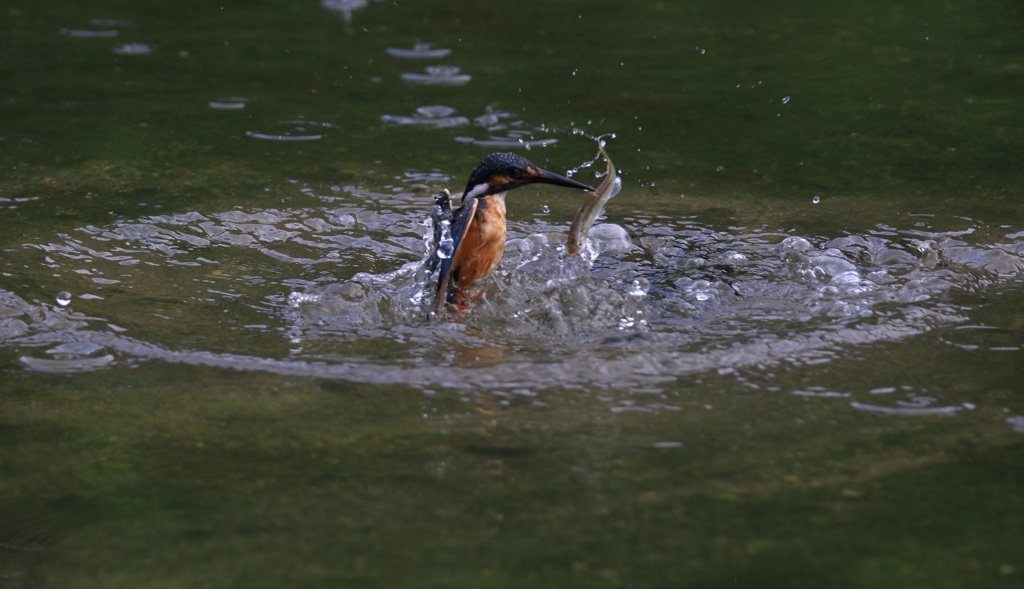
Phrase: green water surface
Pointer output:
(161, 475)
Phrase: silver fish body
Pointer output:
(593, 206)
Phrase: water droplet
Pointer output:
(816, 199)
(785, 99)
(545, 209)
(64, 298)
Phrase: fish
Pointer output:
(593, 205)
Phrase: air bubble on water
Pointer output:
(297, 299)
(816, 199)
(795, 243)
(736, 258)
(64, 298)
(545, 209)
(639, 287)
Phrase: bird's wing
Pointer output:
(463, 219)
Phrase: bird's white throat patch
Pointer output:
(477, 190)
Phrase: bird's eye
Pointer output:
(514, 173)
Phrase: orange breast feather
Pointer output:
(482, 246)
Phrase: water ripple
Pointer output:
(907, 411)
(438, 75)
(435, 116)
(295, 131)
(90, 33)
(419, 51)
(133, 49)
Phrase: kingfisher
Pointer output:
(478, 226)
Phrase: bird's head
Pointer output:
(500, 172)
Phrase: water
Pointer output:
(709, 300)
(789, 356)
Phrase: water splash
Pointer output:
(348, 282)
(446, 245)
(297, 299)
(344, 8)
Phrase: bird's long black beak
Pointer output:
(546, 177)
